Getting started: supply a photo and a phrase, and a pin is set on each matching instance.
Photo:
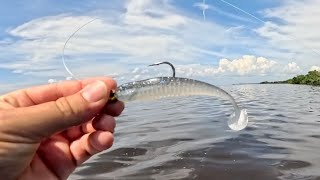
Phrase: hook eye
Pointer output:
(113, 96)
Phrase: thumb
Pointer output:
(43, 120)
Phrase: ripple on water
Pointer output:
(292, 164)
(188, 138)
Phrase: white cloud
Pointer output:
(317, 68)
(292, 68)
(146, 32)
(247, 65)
(201, 5)
(51, 81)
(152, 14)
(295, 29)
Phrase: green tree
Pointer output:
(312, 78)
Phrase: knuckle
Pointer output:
(65, 108)
(8, 99)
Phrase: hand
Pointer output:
(47, 131)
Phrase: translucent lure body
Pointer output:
(161, 87)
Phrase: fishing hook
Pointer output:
(166, 62)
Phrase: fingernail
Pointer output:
(94, 92)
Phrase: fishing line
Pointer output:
(65, 45)
(238, 120)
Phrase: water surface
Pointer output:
(188, 138)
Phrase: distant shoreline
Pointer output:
(245, 83)
(312, 78)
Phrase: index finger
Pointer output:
(51, 92)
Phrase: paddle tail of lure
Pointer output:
(161, 87)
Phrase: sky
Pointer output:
(222, 42)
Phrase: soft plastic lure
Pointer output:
(162, 87)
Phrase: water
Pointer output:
(188, 138)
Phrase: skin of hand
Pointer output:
(47, 131)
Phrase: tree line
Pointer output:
(312, 78)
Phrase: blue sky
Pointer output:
(219, 41)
